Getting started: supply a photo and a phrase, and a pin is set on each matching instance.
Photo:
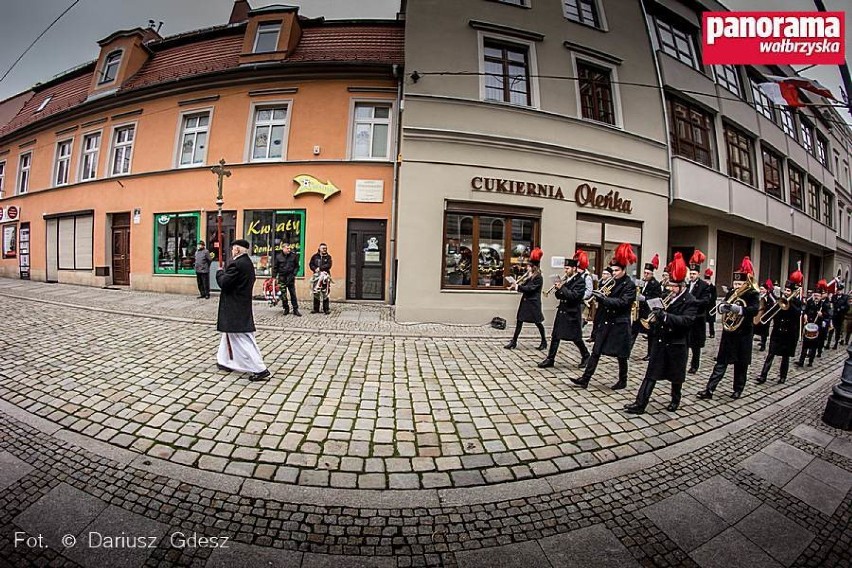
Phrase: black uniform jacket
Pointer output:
(768, 302)
(839, 307)
(568, 324)
(818, 312)
(670, 338)
(285, 266)
(714, 293)
(529, 309)
(236, 282)
(735, 346)
(651, 290)
(786, 328)
(320, 263)
(612, 335)
(703, 294)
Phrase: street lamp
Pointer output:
(221, 172)
(838, 410)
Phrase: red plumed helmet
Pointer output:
(697, 259)
(623, 256)
(677, 268)
(768, 284)
(708, 273)
(535, 255)
(746, 267)
(582, 259)
(656, 261)
(797, 277)
(822, 286)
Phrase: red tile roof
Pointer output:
(352, 43)
(63, 95)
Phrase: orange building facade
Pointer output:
(106, 171)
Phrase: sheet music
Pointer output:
(655, 303)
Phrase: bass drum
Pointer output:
(811, 331)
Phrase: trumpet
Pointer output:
(783, 303)
(562, 280)
(523, 278)
(646, 322)
(605, 289)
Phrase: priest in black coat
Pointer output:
(786, 325)
(568, 325)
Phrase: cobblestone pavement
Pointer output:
(116, 419)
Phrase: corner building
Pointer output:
(107, 167)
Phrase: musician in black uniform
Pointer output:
(650, 289)
(735, 345)
(767, 300)
(702, 293)
(529, 310)
(606, 276)
(714, 294)
(814, 312)
(669, 351)
(785, 328)
(825, 322)
(613, 337)
(568, 324)
(840, 307)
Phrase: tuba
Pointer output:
(732, 321)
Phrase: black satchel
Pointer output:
(498, 323)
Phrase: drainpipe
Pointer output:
(400, 77)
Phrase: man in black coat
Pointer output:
(785, 329)
(568, 324)
(321, 262)
(284, 268)
(735, 346)
(815, 312)
(839, 309)
(669, 350)
(702, 293)
(238, 350)
(613, 336)
(651, 289)
(714, 293)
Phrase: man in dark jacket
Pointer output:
(650, 289)
(238, 350)
(840, 307)
(714, 294)
(668, 341)
(613, 336)
(284, 268)
(702, 293)
(568, 324)
(785, 328)
(321, 262)
(202, 270)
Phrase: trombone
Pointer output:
(783, 303)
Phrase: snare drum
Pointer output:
(811, 331)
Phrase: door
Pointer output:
(229, 234)
(121, 249)
(730, 250)
(365, 260)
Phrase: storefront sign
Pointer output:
(310, 184)
(10, 213)
(517, 187)
(588, 196)
(369, 190)
(266, 229)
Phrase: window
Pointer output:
(122, 149)
(91, 150)
(797, 184)
(270, 123)
(10, 241)
(2, 179)
(502, 242)
(582, 11)
(267, 37)
(761, 101)
(507, 73)
(822, 152)
(44, 103)
(515, 2)
(813, 199)
(827, 208)
(175, 238)
(63, 162)
(772, 169)
(371, 131)
(807, 136)
(265, 230)
(74, 242)
(739, 155)
(595, 93)
(193, 145)
(728, 77)
(690, 131)
(24, 163)
(676, 43)
(110, 69)
(787, 123)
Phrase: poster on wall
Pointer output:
(10, 244)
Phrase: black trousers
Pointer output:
(592, 365)
(203, 281)
(648, 384)
(554, 347)
(835, 331)
(696, 358)
(288, 285)
(519, 325)
(767, 365)
(711, 328)
(325, 304)
(740, 372)
(809, 352)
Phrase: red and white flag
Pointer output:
(784, 91)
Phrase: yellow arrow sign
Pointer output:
(310, 184)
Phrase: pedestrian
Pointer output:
(670, 326)
(529, 309)
(568, 325)
(202, 270)
(284, 268)
(238, 350)
(320, 265)
(785, 328)
(840, 307)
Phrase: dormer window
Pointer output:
(267, 37)
(44, 104)
(110, 69)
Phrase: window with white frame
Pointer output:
(371, 131)
(808, 137)
(89, 161)
(122, 149)
(267, 37)
(2, 179)
(787, 123)
(63, 162)
(24, 163)
(582, 11)
(676, 42)
(729, 77)
(110, 68)
(822, 152)
(507, 72)
(193, 138)
(268, 130)
(761, 101)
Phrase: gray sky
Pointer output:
(73, 40)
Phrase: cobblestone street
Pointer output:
(377, 443)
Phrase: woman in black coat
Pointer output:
(529, 309)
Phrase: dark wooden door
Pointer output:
(365, 260)
(121, 256)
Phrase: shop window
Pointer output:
(507, 73)
(110, 68)
(582, 11)
(797, 188)
(74, 241)
(266, 229)
(91, 151)
(193, 138)
(268, 133)
(10, 242)
(677, 42)
(690, 132)
(175, 238)
(596, 99)
(122, 149)
(371, 131)
(24, 164)
(739, 155)
(729, 78)
(482, 249)
(63, 162)
(788, 124)
(772, 169)
(266, 39)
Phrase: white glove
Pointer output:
(641, 297)
(736, 308)
(724, 308)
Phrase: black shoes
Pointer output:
(782, 380)
(692, 370)
(672, 407)
(760, 380)
(297, 313)
(511, 345)
(546, 363)
(314, 311)
(542, 346)
(224, 368)
(286, 311)
(634, 408)
(646, 358)
(799, 363)
(622, 383)
(584, 359)
(326, 312)
(582, 382)
(261, 376)
(736, 394)
(705, 395)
